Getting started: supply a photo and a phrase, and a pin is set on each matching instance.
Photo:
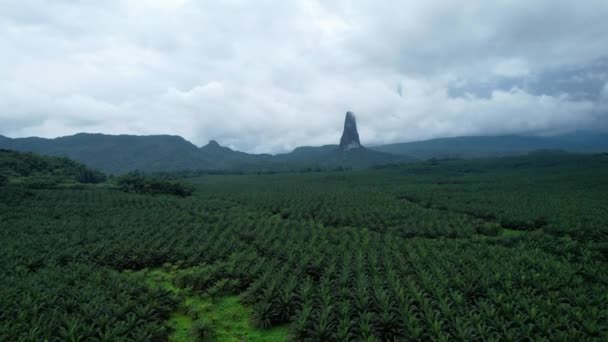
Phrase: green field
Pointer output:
(492, 249)
(199, 317)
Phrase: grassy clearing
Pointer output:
(201, 318)
(181, 326)
(229, 320)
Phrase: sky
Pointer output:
(268, 76)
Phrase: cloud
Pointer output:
(268, 76)
(604, 93)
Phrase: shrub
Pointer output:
(138, 183)
(489, 229)
(603, 250)
(90, 176)
(202, 330)
(42, 182)
(26, 165)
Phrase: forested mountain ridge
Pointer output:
(117, 154)
(496, 146)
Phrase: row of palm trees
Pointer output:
(391, 270)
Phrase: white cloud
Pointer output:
(511, 68)
(267, 76)
(165, 4)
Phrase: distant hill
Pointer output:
(329, 156)
(495, 146)
(118, 154)
(223, 158)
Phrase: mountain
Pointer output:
(117, 154)
(349, 154)
(332, 156)
(494, 146)
(350, 136)
(224, 158)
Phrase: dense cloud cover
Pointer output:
(267, 76)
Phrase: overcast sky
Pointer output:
(267, 76)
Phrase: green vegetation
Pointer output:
(29, 170)
(141, 184)
(37, 171)
(210, 315)
(509, 249)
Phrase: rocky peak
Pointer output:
(350, 136)
(213, 143)
(214, 146)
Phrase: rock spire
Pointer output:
(350, 136)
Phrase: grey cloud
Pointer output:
(578, 82)
(268, 76)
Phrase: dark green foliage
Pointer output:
(138, 183)
(3, 179)
(41, 300)
(559, 193)
(489, 229)
(41, 172)
(414, 252)
(202, 331)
